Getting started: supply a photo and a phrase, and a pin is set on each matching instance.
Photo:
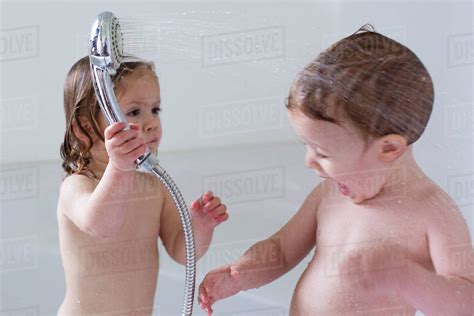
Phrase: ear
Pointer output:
(80, 134)
(390, 147)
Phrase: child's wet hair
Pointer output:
(82, 110)
(376, 83)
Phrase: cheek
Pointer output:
(334, 169)
(160, 130)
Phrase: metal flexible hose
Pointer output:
(188, 236)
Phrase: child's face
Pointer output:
(139, 99)
(339, 153)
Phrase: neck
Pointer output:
(404, 173)
(395, 178)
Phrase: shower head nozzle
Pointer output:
(105, 43)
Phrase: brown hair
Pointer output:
(377, 83)
(81, 108)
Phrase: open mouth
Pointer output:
(343, 189)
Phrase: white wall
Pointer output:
(40, 40)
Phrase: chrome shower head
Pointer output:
(105, 44)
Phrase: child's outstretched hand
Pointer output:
(218, 284)
(123, 147)
(208, 212)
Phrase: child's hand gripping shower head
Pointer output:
(106, 55)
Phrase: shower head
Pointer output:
(105, 44)
(105, 55)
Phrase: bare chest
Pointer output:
(345, 228)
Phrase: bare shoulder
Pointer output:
(440, 205)
(444, 218)
(326, 192)
(448, 235)
(74, 186)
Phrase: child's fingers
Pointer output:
(234, 273)
(209, 310)
(113, 129)
(140, 151)
(221, 218)
(134, 126)
(219, 210)
(195, 205)
(131, 145)
(122, 137)
(206, 197)
(212, 204)
(203, 296)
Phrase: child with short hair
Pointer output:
(110, 216)
(387, 239)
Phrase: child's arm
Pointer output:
(266, 260)
(206, 213)
(99, 209)
(449, 291)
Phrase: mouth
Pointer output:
(343, 189)
(152, 142)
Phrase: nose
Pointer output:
(310, 161)
(151, 123)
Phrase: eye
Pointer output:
(321, 156)
(157, 110)
(133, 113)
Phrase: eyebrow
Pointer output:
(312, 143)
(136, 102)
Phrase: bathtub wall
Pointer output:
(225, 69)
